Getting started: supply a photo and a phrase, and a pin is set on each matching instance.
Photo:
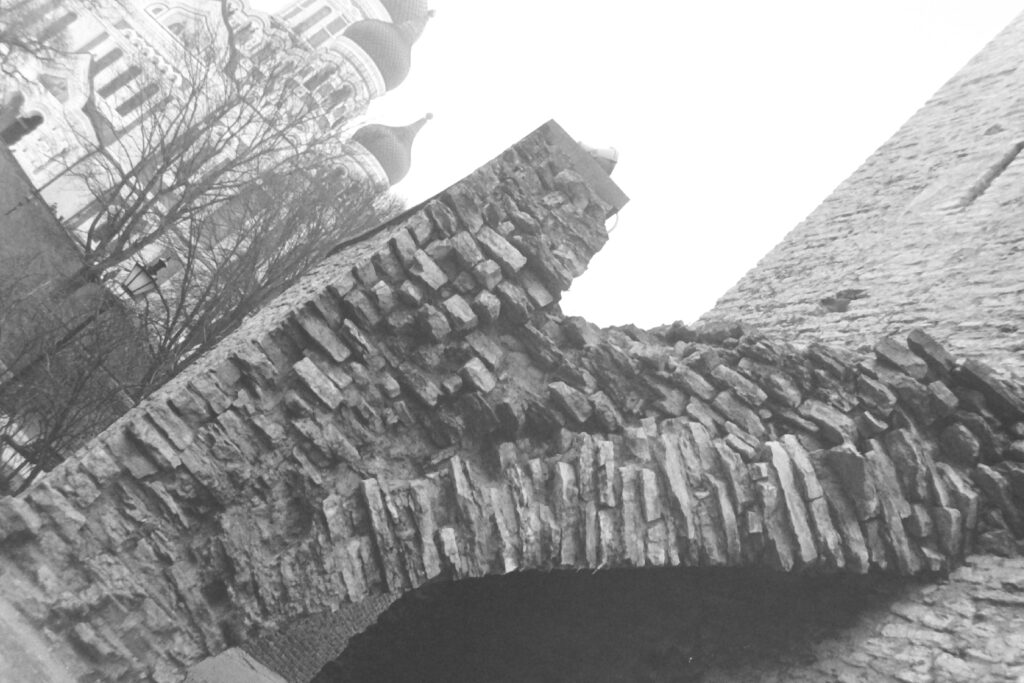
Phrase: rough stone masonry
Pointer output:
(926, 233)
(419, 407)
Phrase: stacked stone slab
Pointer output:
(419, 408)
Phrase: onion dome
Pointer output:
(405, 10)
(391, 146)
(388, 45)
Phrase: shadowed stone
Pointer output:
(939, 360)
(1005, 401)
(835, 426)
(898, 355)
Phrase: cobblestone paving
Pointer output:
(967, 628)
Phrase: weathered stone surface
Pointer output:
(843, 511)
(384, 296)
(466, 251)
(836, 427)
(487, 307)
(737, 411)
(939, 360)
(777, 384)
(959, 446)
(317, 382)
(1005, 401)
(869, 425)
(384, 536)
(633, 524)
(487, 273)
(997, 489)
(906, 454)
(851, 471)
(514, 304)
(538, 295)
(426, 271)
(460, 313)
(703, 413)
(608, 417)
(794, 501)
(694, 383)
(433, 323)
(476, 375)
(777, 531)
(898, 355)
(503, 253)
(744, 388)
(944, 401)
(735, 472)
(895, 509)
(18, 520)
(410, 294)
(422, 386)
(681, 499)
(573, 402)
(875, 394)
(949, 528)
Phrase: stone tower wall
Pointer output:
(928, 229)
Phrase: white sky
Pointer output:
(733, 120)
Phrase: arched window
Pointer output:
(20, 127)
(338, 96)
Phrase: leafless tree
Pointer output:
(234, 173)
(223, 122)
(238, 258)
(37, 29)
(65, 377)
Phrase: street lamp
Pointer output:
(141, 282)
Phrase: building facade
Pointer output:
(109, 61)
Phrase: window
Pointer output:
(106, 60)
(137, 100)
(20, 127)
(312, 19)
(120, 81)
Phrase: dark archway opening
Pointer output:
(628, 625)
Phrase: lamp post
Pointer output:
(141, 280)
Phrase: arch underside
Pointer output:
(655, 625)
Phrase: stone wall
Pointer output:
(925, 233)
(418, 408)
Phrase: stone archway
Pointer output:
(651, 625)
(419, 409)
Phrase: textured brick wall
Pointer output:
(928, 228)
(418, 407)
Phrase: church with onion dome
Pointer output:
(351, 51)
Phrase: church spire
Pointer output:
(391, 145)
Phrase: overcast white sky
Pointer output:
(733, 120)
